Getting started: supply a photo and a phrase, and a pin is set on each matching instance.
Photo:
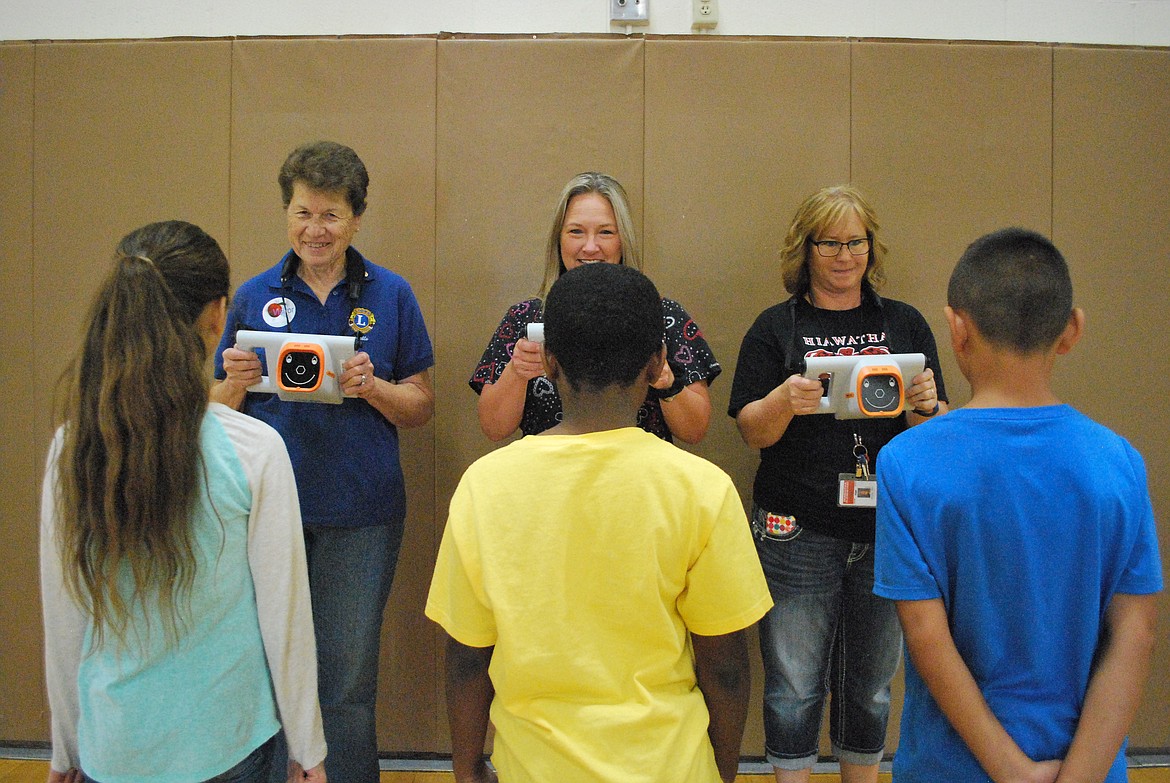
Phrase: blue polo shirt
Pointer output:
(345, 456)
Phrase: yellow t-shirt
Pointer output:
(585, 560)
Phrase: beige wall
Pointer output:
(468, 142)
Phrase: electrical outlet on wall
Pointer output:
(629, 11)
(705, 14)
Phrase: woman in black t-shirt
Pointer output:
(815, 548)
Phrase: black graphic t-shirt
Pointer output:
(798, 474)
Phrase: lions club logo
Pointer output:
(361, 320)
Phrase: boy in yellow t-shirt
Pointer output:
(594, 580)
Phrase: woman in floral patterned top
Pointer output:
(592, 225)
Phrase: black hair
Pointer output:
(1015, 286)
(328, 167)
(603, 323)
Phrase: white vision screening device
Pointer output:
(865, 385)
(301, 367)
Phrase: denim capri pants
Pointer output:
(827, 634)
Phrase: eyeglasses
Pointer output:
(831, 248)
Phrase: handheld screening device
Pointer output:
(535, 332)
(865, 385)
(301, 367)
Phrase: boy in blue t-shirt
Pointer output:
(1017, 538)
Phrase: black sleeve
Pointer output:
(690, 357)
(499, 349)
(762, 359)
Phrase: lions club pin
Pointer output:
(361, 320)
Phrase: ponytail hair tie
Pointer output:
(123, 257)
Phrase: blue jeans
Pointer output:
(826, 633)
(351, 570)
(253, 769)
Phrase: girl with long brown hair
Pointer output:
(177, 619)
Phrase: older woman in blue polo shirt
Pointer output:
(345, 456)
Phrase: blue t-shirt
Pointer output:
(345, 456)
(1025, 522)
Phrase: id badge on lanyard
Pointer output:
(859, 488)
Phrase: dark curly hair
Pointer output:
(603, 323)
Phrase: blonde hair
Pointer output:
(130, 467)
(615, 194)
(817, 213)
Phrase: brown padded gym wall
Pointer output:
(469, 140)
(1111, 120)
(22, 700)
